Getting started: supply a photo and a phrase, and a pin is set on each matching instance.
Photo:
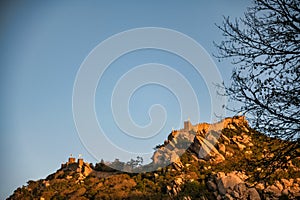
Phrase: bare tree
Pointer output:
(264, 47)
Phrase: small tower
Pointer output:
(80, 160)
(71, 159)
(187, 125)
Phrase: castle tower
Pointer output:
(80, 162)
(71, 159)
(187, 125)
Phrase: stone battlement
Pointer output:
(79, 166)
(72, 161)
(204, 127)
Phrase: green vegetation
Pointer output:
(188, 181)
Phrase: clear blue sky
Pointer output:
(43, 44)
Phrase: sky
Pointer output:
(43, 46)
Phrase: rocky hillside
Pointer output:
(226, 160)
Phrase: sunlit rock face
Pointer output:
(202, 161)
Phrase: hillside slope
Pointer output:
(226, 160)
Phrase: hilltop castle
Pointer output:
(204, 128)
(80, 166)
(227, 122)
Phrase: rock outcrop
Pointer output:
(203, 161)
(202, 139)
(231, 186)
(211, 146)
(206, 150)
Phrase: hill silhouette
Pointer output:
(225, 160)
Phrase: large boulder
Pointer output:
(253, 194)
(228, 182)
(241, 190)
(273, 190)
(211, 185)
(206, 150)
